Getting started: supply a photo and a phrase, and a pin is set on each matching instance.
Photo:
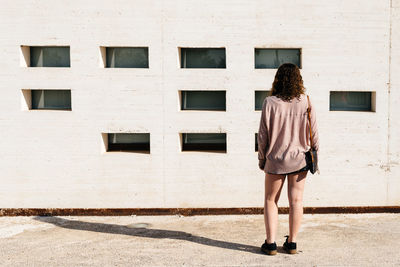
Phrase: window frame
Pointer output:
(183, 97)
(203, 147)
(128, 147)
(182, 57)
(255, 99)
(371, 104)
(104, 51)
(26, 52)
(28, 96)
(277, 48)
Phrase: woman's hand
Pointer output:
(261, 164)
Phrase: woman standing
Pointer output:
(283, 140)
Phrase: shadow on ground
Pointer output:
(144, 232)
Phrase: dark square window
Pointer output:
(259, 97)
(203, 58)
(129, 142)
(204, 142)
(350, 101)
(272, 58)
(127, 57)
(49, 56)
(51, 99)
(203, 100)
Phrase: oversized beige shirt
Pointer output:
(283, 136)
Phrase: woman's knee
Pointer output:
(295, 201)
(272, 198)
(295, 195)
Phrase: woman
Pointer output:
(283, 139)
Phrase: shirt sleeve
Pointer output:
(314, 127)
(262, 136)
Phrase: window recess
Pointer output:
(137, 142)
(352, 101)
(46, 99)
(272, 58)
(45, 56)
(203, 100)
(202, 57)
(204, 142)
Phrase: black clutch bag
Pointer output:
(311, 155)
(312, 160)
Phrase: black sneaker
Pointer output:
(269, 249)
(289, 247)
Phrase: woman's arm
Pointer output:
(314, 128)
(262, 137)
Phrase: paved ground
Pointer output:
(231, 240)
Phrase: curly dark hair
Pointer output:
(288, 82)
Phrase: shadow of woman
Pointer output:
(144, 232)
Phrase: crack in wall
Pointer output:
(388, 97)
(163, 100)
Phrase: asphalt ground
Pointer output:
(371, 239)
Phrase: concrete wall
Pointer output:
(54, 159)
(393, 149)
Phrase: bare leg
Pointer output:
(273, 187)
(295, 195)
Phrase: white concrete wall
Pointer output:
(393, 163)
(54, 159)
